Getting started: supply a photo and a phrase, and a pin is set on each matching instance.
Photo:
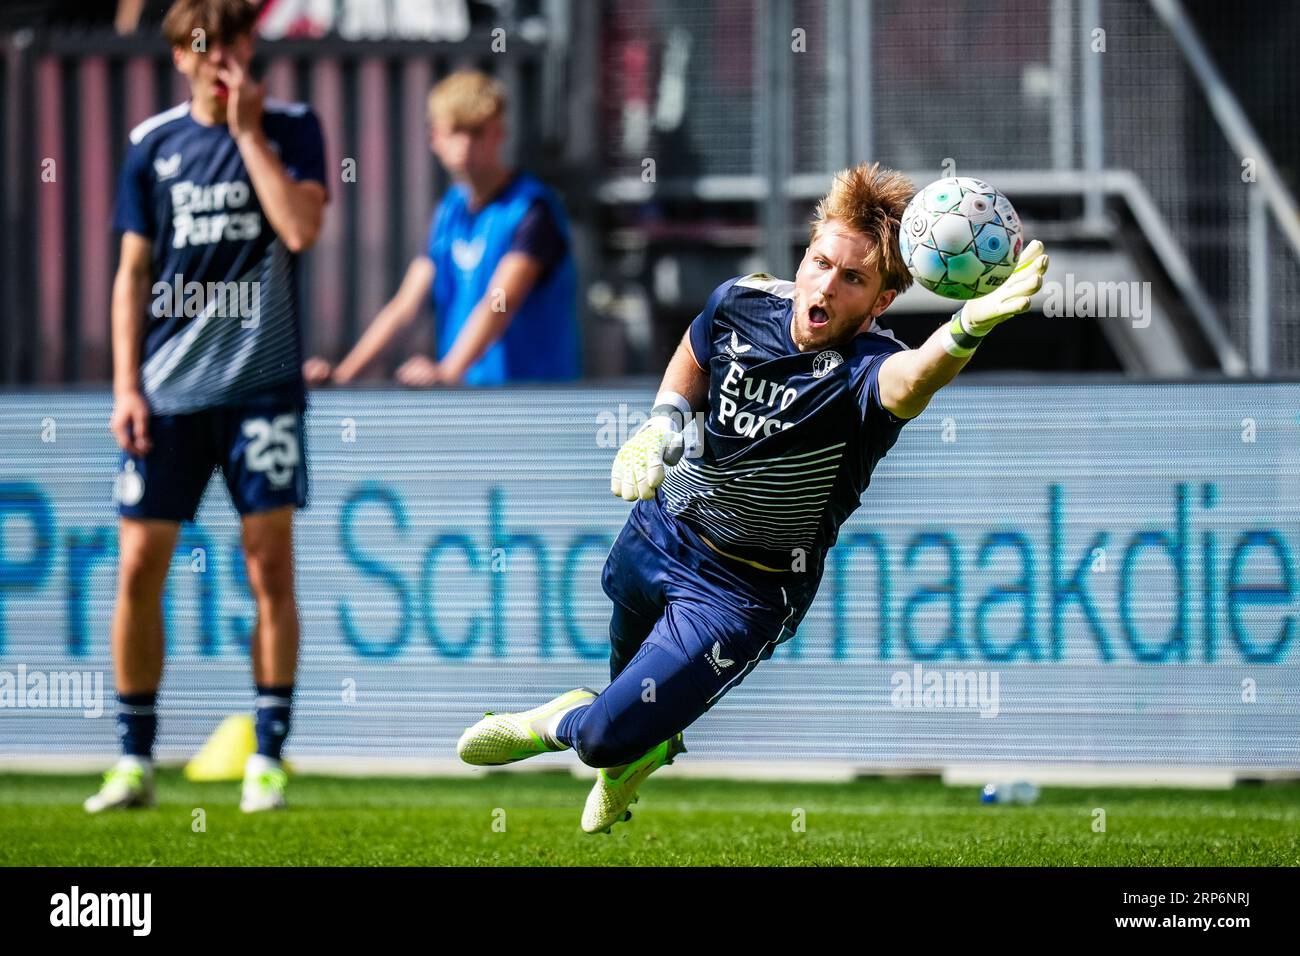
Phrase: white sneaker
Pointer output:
(127, 785)
(264, 783)
(615, 788)
(505, 738)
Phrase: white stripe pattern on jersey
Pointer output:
(214, 359)
(771, 503)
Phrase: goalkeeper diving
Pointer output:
(802, 394)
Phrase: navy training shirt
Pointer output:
(790, 438)
(224, 322)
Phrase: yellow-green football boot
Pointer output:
(504, 738)
(615, 788)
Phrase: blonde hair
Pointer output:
(467, 99)
(870, 200)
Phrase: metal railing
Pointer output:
(1097, 98)
(1268, 196)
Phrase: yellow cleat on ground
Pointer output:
(127, 786)
(504, 738)
(615, 788)
(264, 782)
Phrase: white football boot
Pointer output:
(505, 738)
(615, 788)
(264, 783)
(127, 785)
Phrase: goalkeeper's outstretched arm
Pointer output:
(908, 380)
(639, 465)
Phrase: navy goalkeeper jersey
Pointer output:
(790, 438)
(223, 319)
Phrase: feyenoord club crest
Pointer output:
(825, 361)
(128, 488)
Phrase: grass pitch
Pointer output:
(450, 822)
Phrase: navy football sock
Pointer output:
(137, 725)
(273, 704)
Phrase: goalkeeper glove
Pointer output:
(979, 317)
(639, 465)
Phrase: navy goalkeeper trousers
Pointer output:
(688, 625)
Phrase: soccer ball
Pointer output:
(960, 237)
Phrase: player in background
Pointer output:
(719, 561)
(224, 191)
(498, 260)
